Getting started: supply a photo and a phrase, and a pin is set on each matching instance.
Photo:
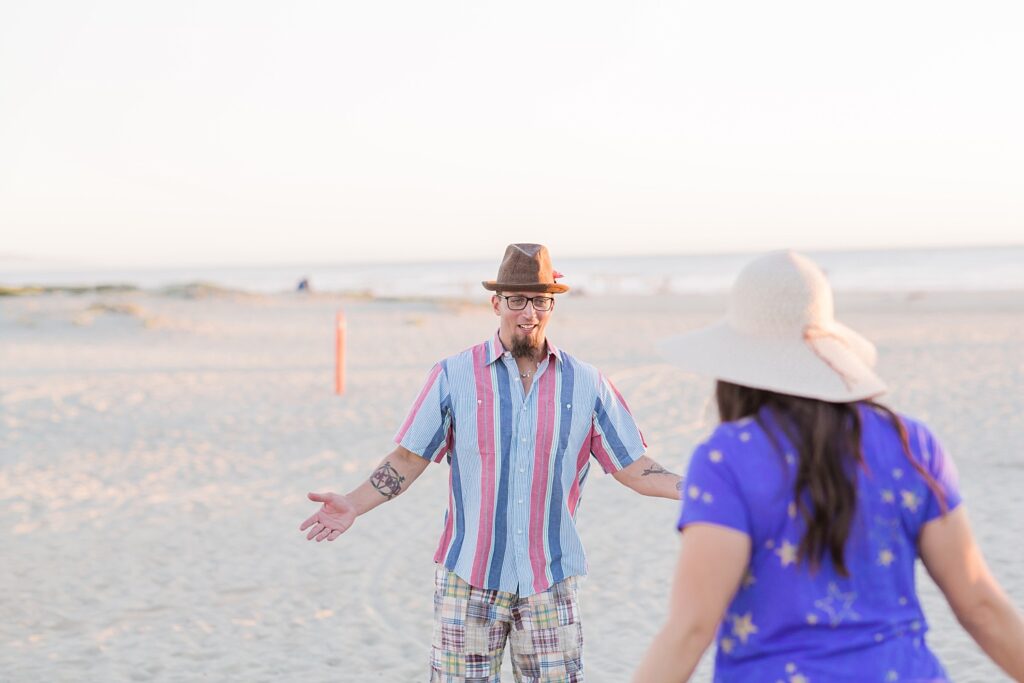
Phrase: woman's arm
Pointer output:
(955, 562)
(712, 560)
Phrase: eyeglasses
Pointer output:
(518, 303)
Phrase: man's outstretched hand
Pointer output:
(333, 518)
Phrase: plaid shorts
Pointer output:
(472, 625)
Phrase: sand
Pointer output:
(155, 453)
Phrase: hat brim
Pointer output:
(553, 288)
(834, 366)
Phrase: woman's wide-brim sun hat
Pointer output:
(780, 334)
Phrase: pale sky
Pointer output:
(200, 133)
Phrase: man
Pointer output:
(518, 420)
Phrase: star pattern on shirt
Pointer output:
(743, 626)
(727, 645)
(693, 492)
(794, 674)
(837, 605)
(888, 496)
(885, 557)
(749, 579)
(715, 456)
(909, 500)
(787, 553)
(889, 531)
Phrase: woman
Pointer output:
(805, 510)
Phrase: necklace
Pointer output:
(526, 374)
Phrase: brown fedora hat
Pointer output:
(526, 268)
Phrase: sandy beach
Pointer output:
(156, 450)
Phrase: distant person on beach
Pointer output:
(303, 285)
(805, 510)
(518, 421)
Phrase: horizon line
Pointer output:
(26, 261)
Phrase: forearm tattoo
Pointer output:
(655, 468)
(387, 480)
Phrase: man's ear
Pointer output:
(495, 302)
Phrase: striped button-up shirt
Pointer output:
(518, 460)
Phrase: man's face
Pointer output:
(524, 329)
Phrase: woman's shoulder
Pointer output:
(925, 447)
(888, 423)
(736, 431)
(741, 440)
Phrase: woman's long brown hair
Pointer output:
(828, 439)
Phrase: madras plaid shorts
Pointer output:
(472, 625)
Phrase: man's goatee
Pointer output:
(523, 347)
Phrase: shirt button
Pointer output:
(568, 405)
(520, 501)
(521, 470)
(519, 531)
(524, 438)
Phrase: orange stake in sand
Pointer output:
(339, 353)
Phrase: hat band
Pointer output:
(813, 334)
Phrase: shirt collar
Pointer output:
(495, 349)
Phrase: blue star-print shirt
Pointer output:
(789, 624)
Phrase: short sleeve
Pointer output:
(615, 439)
(427, 429)
(939, 465)
(711, 492)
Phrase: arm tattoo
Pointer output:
(387, 480)
(655, 468)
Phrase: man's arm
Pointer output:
(648, 478)
(396, 473)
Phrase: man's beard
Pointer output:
(524, 347)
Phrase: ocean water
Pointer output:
(964, 269)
